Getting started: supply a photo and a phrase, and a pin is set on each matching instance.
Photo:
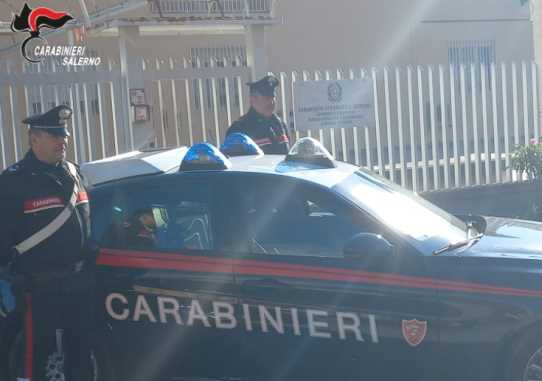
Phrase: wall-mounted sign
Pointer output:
(137, 97)
(333, 104)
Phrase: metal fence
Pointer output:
(436, 126)
(94, 95)
(189, 101)
(195, 100)
(207, 7)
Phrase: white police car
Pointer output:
(236, 265)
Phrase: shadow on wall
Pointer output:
(521, 200)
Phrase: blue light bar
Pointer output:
(204, 157)
(238, 144)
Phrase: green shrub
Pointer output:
(528, 159)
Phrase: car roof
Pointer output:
(152, 163)
(133, 164)
(275, 165)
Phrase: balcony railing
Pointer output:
(213, 7)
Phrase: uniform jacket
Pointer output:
(32, 194)
(269, 133)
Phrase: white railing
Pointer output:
(436, 126)
(190, 101)
(214, 7)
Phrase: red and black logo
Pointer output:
(32, 20)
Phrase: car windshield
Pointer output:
(428, 227)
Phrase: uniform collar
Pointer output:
(255, 114)
(34, 163)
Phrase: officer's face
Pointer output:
(263, 104)
(47, 147)
(147, 220)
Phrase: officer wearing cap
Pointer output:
(44, 235)
(261, 123)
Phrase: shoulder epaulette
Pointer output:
(13, 170)
(71, 162)
(73, 168)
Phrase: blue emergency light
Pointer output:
(204, 157)
(310, 151)
(238, 144)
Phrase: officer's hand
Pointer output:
(92, 250)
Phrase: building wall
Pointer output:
(317, 35)
(320, 34)
(323, 34)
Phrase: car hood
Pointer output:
(506, 237)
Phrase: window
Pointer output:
(165, 218)
(475, 53)
(36, 108)
(221, 54)
(103, 214)
(471, 52)
(275, 216)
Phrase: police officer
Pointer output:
(44, 234)
(261, 123)
(141, 230)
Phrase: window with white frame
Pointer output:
(477, 53)
(471, 52)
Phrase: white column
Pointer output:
(256, 50)
(536, 19)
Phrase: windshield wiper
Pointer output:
(457, 245)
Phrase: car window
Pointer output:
(173, 216)
(431, 228)
(279, 216)
(102, 212)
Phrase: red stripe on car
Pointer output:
(154, 260)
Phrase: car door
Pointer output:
(168, 296)
(311, 313)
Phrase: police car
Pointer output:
(233, 265)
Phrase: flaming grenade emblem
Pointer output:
(32, 20)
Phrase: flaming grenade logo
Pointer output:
(32, 20)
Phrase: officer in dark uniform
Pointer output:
(261, 123)
(44, 236)
(140, 230)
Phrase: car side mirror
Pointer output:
(478, 222)
(365, 245)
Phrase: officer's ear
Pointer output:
(34, 136)
(31, 135)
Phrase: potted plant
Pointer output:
(527, 160)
